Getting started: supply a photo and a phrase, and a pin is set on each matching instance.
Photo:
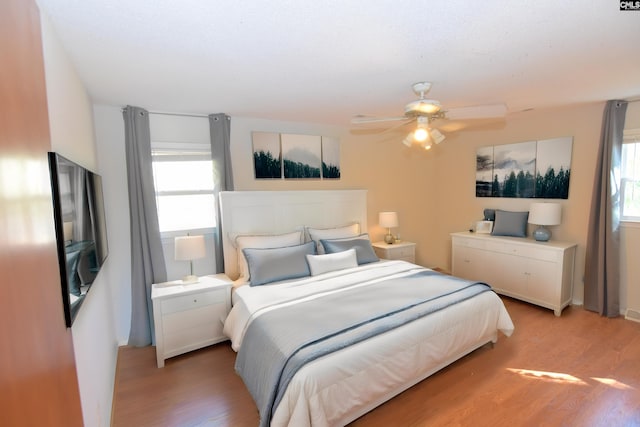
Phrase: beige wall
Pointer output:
(394, 176)
(457, 164)
(434, 191)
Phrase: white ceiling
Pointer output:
(326, 61)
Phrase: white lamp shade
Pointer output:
(188, 248)
(545, 213)
(388, 219)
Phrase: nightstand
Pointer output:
(400, 250)
(188, 317)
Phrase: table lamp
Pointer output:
(542, 214)
(188, 248)
(388, 220)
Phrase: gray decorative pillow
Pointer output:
(274, 264)
(364, 250)
(489, 214)
(510, 223)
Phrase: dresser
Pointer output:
(189, 316)
(540, 273)
(400, 250)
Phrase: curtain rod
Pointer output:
(160, 113)
(200, 116)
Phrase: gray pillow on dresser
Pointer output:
(510, 223)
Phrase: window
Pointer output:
(183, 176)
(630, 176)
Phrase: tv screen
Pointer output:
(81, 234)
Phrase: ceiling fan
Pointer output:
(425, 111)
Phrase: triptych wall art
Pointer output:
(292, 156)
(532, 169)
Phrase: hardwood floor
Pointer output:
(579, 369)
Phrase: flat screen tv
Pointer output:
(81, 233)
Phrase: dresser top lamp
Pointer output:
(544, 214)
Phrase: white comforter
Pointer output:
(338, 388)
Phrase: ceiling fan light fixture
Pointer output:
(436, 136)
(421, 134)
(408, 140)
(427, 145)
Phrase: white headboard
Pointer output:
(275, 212)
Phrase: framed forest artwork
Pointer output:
(267, 160)
(531, 169)
(330, 158)
(301, 156)
(295, 156)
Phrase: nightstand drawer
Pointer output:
(189, 338)
(193, 301)
(189, 319)
(402, 252)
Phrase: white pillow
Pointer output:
(317, 234)
(319, 264)
(262, 242)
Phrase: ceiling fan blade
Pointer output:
(450, 126)
(477, 112)
(379, 129)
(399, 125)
(366, 119)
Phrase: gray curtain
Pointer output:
(220, 131)
(602, 261)
(147, 258)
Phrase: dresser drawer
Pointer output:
(469, 243)
(193, 301)
(526, 251)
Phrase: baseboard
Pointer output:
(633, 315)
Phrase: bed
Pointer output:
(302, 365)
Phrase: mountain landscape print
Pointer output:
(266, 155)
(294, 156)
(532, 169)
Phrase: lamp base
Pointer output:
(189, 279)
(541, 234)
(389, 239)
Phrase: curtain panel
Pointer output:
(147, 258)
(602, 261)
(220, 131)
